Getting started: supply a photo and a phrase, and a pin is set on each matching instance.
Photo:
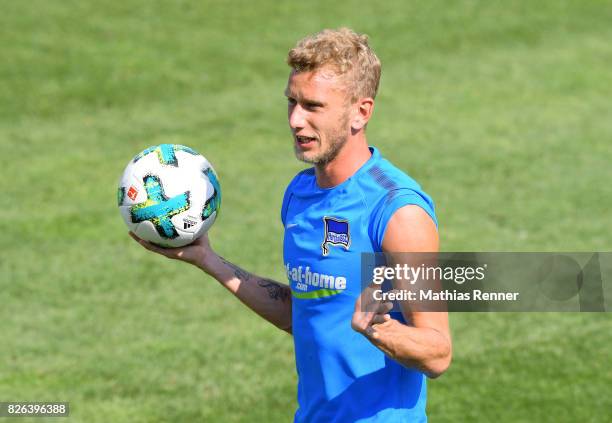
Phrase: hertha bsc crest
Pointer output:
(336, 233)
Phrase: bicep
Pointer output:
(410, 230)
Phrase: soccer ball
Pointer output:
(169, 195)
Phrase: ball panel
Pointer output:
(146, 230)
(187, 221)
(208, 223)
(132, 188)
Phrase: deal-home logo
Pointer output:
(310, 284)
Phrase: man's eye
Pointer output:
(311, 106)
(291, 101)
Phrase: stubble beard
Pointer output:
(336, 141)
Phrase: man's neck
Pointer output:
(349, 159)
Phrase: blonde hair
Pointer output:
(343, 51)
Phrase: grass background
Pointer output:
(500, 109)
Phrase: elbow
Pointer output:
(435, 368)
(287, 326)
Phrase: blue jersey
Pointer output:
(342, 376)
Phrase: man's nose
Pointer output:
(296, 117)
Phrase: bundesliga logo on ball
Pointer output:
(169, 194)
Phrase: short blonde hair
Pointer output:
(343, 51)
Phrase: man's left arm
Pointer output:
(425, 343)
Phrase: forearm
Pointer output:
(422, 348)
(270, 299)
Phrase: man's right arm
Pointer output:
(270, 299)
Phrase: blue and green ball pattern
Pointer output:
(120, 195)
(166, 153)
(213, 204)
(158, 208)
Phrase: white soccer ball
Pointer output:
(169, 195)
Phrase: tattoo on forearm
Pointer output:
(276, 291)
(240, 273)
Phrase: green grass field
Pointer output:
(501, 110)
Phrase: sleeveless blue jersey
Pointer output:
(342, 376)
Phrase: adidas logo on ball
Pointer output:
(188, 223)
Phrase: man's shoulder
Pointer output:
(383, 179)
(386, 188)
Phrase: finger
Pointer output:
(369, 331)
(152, 247)
(385, 307)
(360, 322)
(382, 307)
(202, 240)
(367, 298)
(372, 305)
(366, 305)
(381, 318)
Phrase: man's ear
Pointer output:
(363, 112)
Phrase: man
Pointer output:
(352, 365)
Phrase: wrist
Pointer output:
(209, 263)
